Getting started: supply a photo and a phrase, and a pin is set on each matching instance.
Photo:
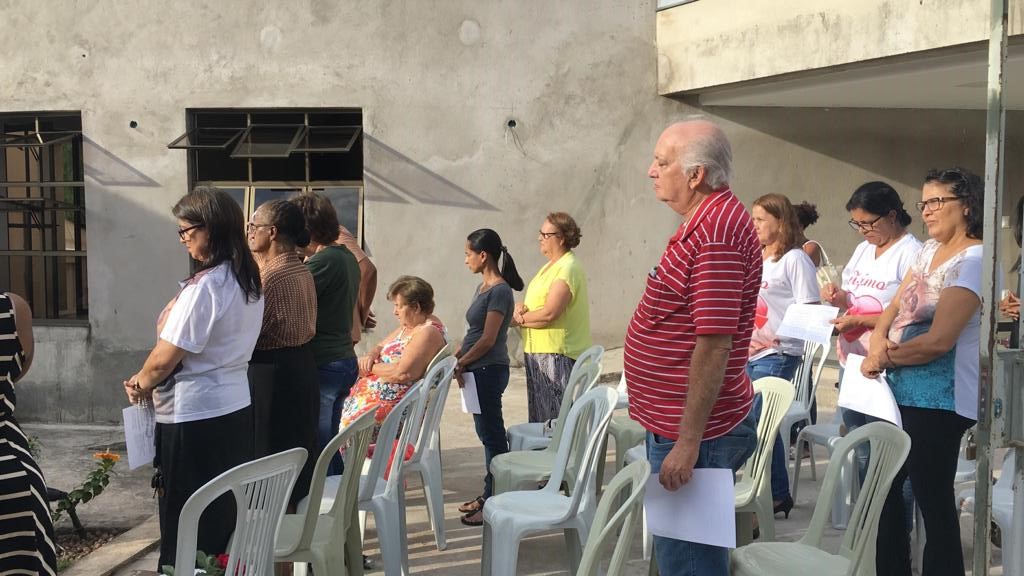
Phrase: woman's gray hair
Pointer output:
(710, 150)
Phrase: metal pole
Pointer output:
(994, 128)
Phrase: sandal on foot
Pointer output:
(474, 518)
(472, 506)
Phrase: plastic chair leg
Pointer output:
(765, 513)
(574, 542)
(386, 517)
(648, 540)
(433, 493)
(504, 554)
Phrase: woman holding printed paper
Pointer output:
(788, 278)
(484, 353)
(927, 341)
(871, 277)
(196, 373)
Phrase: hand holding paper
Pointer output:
(871, 396)
(703, 511)
(812, 322)
(139, 429)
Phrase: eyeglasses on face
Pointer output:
(546, 235)
(933, 204)
(183, 231)
(866, 226)
(252, 226)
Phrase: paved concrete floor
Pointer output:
(67, 457)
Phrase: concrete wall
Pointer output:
(713, 43)
(437, 82)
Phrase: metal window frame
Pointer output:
(238, 154)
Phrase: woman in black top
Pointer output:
(484, 352)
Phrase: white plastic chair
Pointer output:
(261, 489)
(617, 516)
(319, 538)
(512, 469)
(624, 430)
(530, 435)
(385, 498)
(754, 491)
(856, 555)
(1002, 511)
(511, 516)
(806, 382)
(827, 435)
(426, 442)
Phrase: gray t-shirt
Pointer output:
(500, 299)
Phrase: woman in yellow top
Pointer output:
(555, 317)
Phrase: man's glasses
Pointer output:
(183, 231)
(933, 204)
(866, 226)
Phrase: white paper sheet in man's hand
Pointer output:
(703, 510)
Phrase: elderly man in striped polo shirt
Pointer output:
(686, 346)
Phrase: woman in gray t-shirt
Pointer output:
(484, 352)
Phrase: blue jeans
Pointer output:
(491, 382)
(782, 366)
(336, 380)
(676, 557)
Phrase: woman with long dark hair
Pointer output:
(283, 379)
(484, 351)
(196, 373)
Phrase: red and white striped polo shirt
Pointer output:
(706, 283)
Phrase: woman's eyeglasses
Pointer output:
(933, 204)
(546, 235)
(866, 226)
(183, 231)
(251, 226)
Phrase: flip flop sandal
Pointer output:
(473, 518)
(472, 506)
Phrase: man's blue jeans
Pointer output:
(676, 557)
(782, 366)
(336, 380)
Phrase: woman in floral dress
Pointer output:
(394, 365)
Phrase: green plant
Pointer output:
(33, 445)
(210, 564)
(93, 485)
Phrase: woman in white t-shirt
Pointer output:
(873, 274)
(788, 277)
(927, 341)
(196, 374)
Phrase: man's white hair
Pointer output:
(711, 150)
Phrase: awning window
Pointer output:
(206, 138)
(268, 141)
(329, 139)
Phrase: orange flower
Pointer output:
(106, 456)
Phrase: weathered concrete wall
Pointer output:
(712, 43)
(437, 82)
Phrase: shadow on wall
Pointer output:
(106, 169)
(390, 176)
(899, 145)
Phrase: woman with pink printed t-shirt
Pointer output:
(871, 278)
(788, 277)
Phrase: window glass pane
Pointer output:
(290, 169)
(338, 165)
(329, 139)
(278, 117)
(217, 165)
(262, 195)
(221, 120)
(206, 138)
(267, 141)
(55, 287)
(353, 117)
(346, 201)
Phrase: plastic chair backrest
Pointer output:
(443, 353)
(583, 435)
(590, 356)
(776, 396)
(618, 513)
(438, 380)
(582, 379)
(393, 439)
(889, 448)
(261, 489)
(808, 373)
(355, 439)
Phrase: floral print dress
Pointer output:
(372, 389)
